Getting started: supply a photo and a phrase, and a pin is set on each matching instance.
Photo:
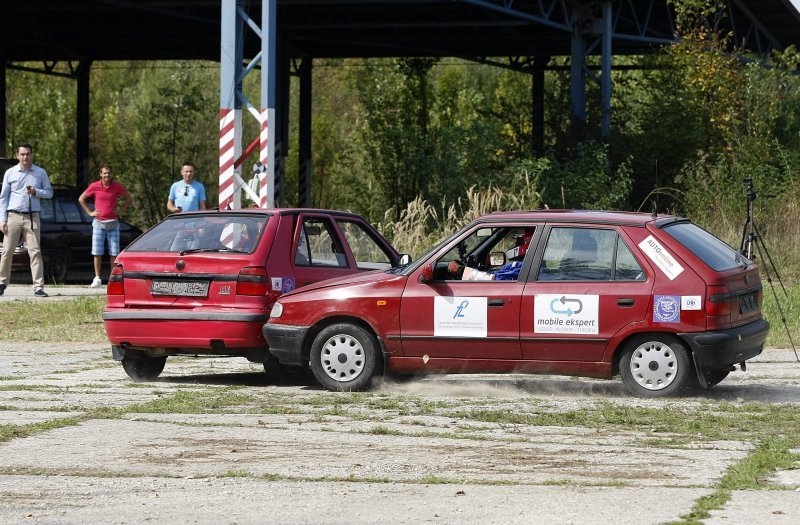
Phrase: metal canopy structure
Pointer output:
(519, 33)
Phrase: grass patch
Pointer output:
(190, 402)
(76, 320)
(9, 432)
(750, 472)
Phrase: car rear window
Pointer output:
(228, 232)
(713, 251)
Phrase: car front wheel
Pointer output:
(344, 357)
(143, 367)
(655, 365)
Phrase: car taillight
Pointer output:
(718, 307)
(116, 284)
(252, 281)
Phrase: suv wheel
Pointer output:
(57, 266)
(344, 357)
(143, 367)
(655, 365)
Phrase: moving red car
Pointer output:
(658, 300)
(203, 282)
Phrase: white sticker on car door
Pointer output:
(566, 314)
(459, 316)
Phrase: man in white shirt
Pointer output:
(23, 186)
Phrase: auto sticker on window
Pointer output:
(691, 302)
(459, 316)
(277, 284)
(566, 314)
(659, 255)
(667, 309)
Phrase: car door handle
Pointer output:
(497, 302)
(625, 302)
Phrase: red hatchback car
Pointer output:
(203, 283)
(658, 300)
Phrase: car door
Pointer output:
(366, 249)
(586, 286)
(318, 250)
(448, 317)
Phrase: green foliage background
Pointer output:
(437, 139)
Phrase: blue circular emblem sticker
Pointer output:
(667, 309)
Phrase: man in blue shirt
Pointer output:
(187, 194)
(23, 186)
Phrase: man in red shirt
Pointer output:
(106, 193)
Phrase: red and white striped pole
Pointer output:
(227, 154)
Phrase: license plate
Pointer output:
(180, 288)
(747, 303)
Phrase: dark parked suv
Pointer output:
(66, 237)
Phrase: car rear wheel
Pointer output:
(57, 266)
(143, 367)
(344, 357)
(655, 365)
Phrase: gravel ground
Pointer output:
(254, 452)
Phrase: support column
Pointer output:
(605, 76)
(577, 86)
(82, 131)
(268, 88)
(3, 109)
(537, 104)
(304, 139)
(230, 112)
(282, 124)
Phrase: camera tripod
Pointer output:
(752, 246)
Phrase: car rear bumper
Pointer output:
(208, 332)
(723, 348)
(286, 342)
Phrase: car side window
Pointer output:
(487, 254)
(627, 268)
(319, 245)
(368, 253)
(48, 212)
(71, 212)
(578, 254)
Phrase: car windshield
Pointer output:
(203, 233)
(713, 251)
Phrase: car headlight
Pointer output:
(277, 310)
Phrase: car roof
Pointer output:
(275, 211)
(589, 216)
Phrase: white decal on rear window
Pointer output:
(566, 314)
(459, 316)
(659, 255)
(277, 284)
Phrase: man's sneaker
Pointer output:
(2, 289)
(40, 293)
(96, 282)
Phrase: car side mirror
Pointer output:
(405, 259)
(427, 273)
(497, 259)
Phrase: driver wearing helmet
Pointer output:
(507, 272)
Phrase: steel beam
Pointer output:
(304, 135)
(82, 132)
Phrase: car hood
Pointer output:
(354, 279)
